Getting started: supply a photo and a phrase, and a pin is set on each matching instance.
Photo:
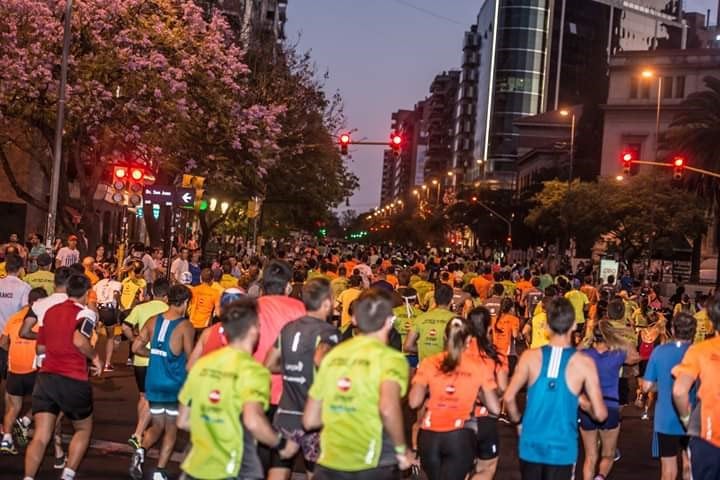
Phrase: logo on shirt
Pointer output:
(214, 396)
(432, 333)
(450, 389)
(344, 384)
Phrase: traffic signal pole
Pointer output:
(686, 167)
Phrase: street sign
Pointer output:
(185, 197)
(159, 194)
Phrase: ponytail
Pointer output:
(479, 321)
(456, 333)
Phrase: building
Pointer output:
(540, 56)
(631, 111)
(401, 173)
(253, 19)
(438, 118)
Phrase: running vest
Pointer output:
(166, 372)
(550, 402)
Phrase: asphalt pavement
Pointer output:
(115, 397)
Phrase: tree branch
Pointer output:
(19, 191)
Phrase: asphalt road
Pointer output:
(115, 396)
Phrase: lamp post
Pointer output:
(648, 74)
(571, 114)
(435, 182)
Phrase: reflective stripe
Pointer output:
(158, 352)
(554, 365)
(163, 330)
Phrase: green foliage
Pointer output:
(633, 216)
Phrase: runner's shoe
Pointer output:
(59, 463)
(20, 432)
(109, 368)
(136, 472)
(159, 475)
(134, 442)
(7, 448)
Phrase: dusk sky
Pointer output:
(382, 55)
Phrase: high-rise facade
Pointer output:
(438, 119)
(535, 55)
(252, 19)
(403, 171)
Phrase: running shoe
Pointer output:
(134, 442)
(136, 463)
(109, 368)
(7, 448)
(159, 475)
(59, 463)
(645, 416)
(129, 362)
(618, 455)
(20, 432)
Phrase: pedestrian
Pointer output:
(298, 352)
(170, 338)
(669, 436)
(108, 292)
(452, 383)
(701, 362)
(62, 384)
(68, 255)
(555, 376)
(179, 267)
(42, 276)
(355, 400)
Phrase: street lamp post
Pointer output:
(565, 113)
(435, 182)
(650, 74)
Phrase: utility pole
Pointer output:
(59, 126)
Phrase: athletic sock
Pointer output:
(68, 474)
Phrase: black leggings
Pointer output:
(447, 455)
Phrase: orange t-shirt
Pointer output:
(420, 266)
(349, 267)
(392, 280)
(452, 396)
(22, 351)
(482, 286)
(502, 332)
(523, 285)
(702, 362)
(205, 300)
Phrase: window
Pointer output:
(667, 87)
(634, 81)
(680, 86)
(645, 89)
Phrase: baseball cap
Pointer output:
(72, 237)
(44, 260)
(231, 295)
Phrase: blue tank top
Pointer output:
(166, 371)
(608, 365)
(550, 422)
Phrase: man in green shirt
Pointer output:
(42, 277)
(355, 399)
(132, 325)
(427, 334)
(223, 404)
(580, 304)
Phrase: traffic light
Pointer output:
(627, 159)
(396, 141)
(678, 167)
(136, 184)
(344, 141)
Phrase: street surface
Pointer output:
(115, 396)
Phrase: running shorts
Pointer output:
(309, 448)
(488, 438)
(587, 423)
(20, 384)
(108, 315)
(380, 473)
(55, 393)
(540, 471)
(171, 409)
(140, 374)
(665, 445)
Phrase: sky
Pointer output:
(381, 55)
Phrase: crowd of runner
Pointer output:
(361, 362)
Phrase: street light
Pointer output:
(648, 74)
(213, 204)
(565, 113)
(450, 174)
(224, 207)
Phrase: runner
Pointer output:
(170, 336)
(355, 398)
(62, 385)
(701, 362)
(222, 404)
(505, 331)
(13, 293)
(131, 327)
(345, 298)
(669, 436)
(537, 329)
(494, 301)
(108, 291)
(555, 375)
(42, 277)
(426, 334)
(20, 377)
(452, 381)
(609, 352)
(205, 302)
(300, 347)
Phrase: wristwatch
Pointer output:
(282, 443)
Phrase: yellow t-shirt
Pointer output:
(228, 281)
(205, 300)
(345, 299)
(132, 288)
(42, 279)
(540, 336)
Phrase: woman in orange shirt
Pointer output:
(497, 367)
(452, 381)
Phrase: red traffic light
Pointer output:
(345, 138)
(627, 157)
(396, 139)
(120, 172)
(679, 161)
(137, 174)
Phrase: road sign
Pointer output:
(159, 194)
(185, 197)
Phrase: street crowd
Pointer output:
(359, 362)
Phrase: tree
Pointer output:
(633, 216)
(149, 80)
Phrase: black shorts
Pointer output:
(643, 366)
(20, 384)
(55, 393)
(108, 315)
(3, 363)
(140, 374)
(309, 449)
(540, 471)
(488, 438)
(665, 445)
(380, 473)
(447, 455)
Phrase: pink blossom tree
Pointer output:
(148, 79)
